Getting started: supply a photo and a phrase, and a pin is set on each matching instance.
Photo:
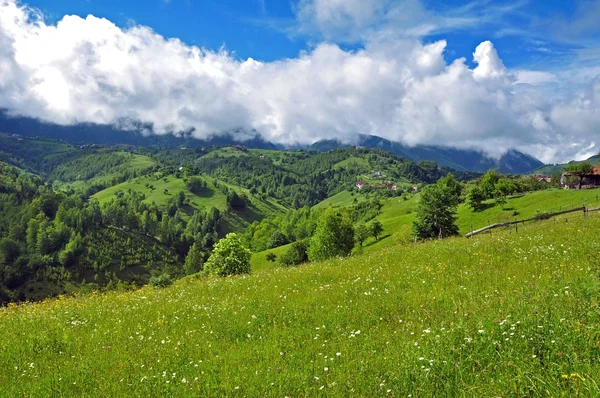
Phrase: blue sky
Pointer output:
(480, 74)
(525, 32)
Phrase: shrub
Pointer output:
(296, 254)
(163, 280)
(277, 239)
(229, 257)
(271, 257)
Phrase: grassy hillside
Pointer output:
(164, 188)
(508, 315)
(559, 168)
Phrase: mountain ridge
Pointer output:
(513, 161)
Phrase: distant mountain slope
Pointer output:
(559, 167)
(110, 135)
(511, 162)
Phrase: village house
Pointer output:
(360, 185)
(544, 179)
(592, 180)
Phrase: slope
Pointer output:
(494, 316)
(160, 188)
(458, 159)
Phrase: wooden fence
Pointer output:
(544, 216)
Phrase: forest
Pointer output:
(59, 233)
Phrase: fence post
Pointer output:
(516, 225)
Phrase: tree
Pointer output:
(436, 213)
(505, 187)
(333, 237)
(195, 184)
(194, 261)
(229, 257)
(277, 239)
(296, 254)
(361, 233)
(475, 197)
(271, 257)
(180, 198)
(579, 170)
(376, 229)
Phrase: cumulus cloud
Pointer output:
(90, 70)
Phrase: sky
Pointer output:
(483, 74)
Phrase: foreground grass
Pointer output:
(507, 315)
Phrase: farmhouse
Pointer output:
(360, 185)
(592, 180)
(544, 179)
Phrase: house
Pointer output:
(263, 157)
(415, 189)
(592, 180)
(376, 173)
(360, 185)
(394, 187)
(544, 179)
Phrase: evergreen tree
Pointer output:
(194, 261)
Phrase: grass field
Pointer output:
(165, 188)
(507, 315)
(341, 199)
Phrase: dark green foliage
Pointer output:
(296, 254)
(271, 257)
(277, 239)
(375, 228)
(236, 201)
(334, 236)
(53, 240)
(196, 184)
(436, 214)
(161, 281)
(194, 261)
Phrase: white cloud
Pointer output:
(89, 70)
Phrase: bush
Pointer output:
(277, 239)
(271, 257)
(163, 280)
(296, 254)
(229, 257)
(334, 236)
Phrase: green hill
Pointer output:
(508, 315)
(160, 188)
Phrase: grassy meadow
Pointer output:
(167, 187)
(398, 214)
(502, 315)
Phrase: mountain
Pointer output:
(513, 161)
(461, 160)
(549, 169)
(111, 135)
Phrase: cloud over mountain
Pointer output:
(90, 70)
